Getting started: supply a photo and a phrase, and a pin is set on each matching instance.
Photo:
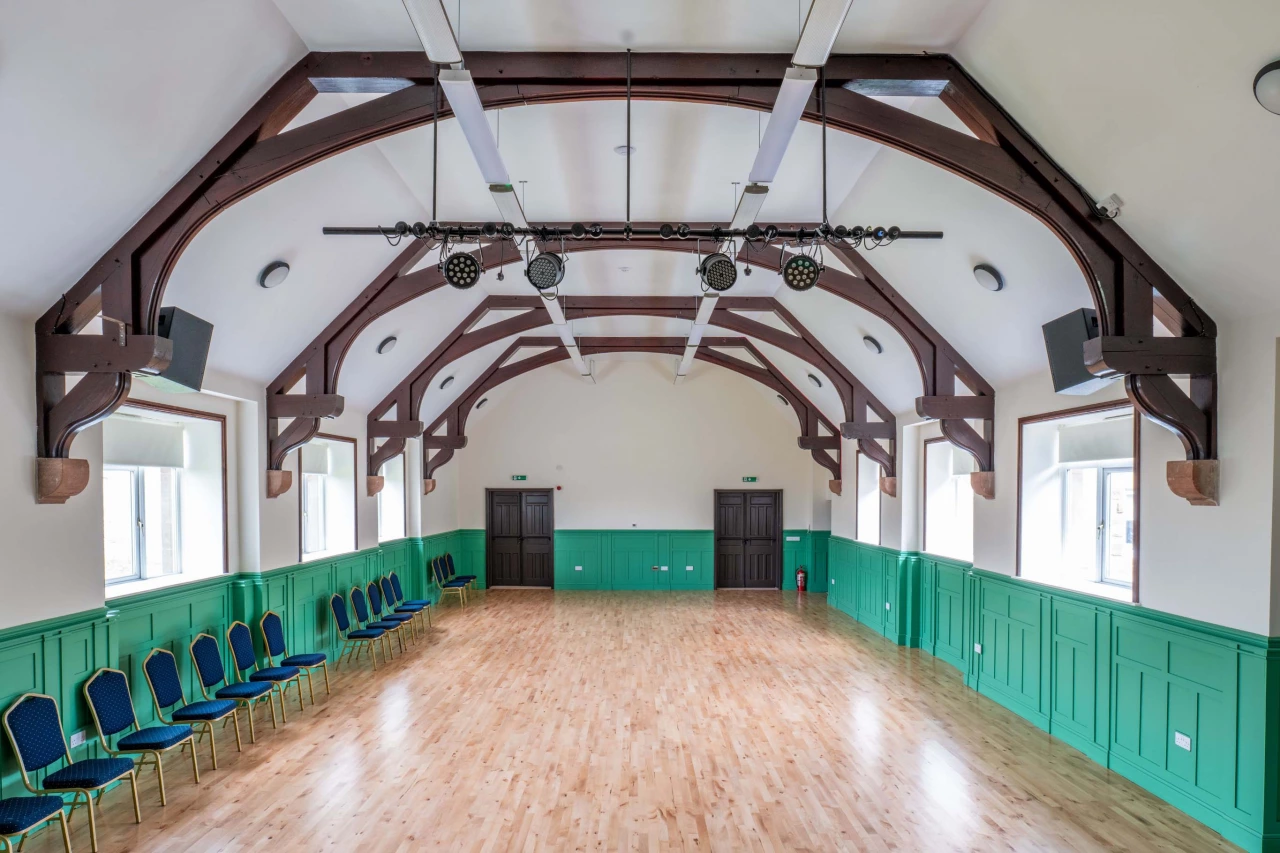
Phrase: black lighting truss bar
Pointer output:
(489, 231)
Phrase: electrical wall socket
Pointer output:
(688, 568)
(1182, 741)
(77, 739)
(577, 568)
(664, 568)
(977, 648)
(886, 606)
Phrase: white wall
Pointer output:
(634, 449)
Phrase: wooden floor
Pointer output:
(649, 721)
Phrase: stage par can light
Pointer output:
(545, 271)
(461, 270)
(718, 271)
(800, 272)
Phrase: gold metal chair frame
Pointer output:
(247, 702)
(426, 609)
(280, 686)
(6, 841)
(437, 574)
(148, 756)
(401, 624)
(203, 727)
(387, 632)
(77, 793)
(302, 670)
(393, 604)
(353, 647)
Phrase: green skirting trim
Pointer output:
(1114, 680)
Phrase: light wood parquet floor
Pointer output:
(536, 720)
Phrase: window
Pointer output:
(391, 501)
(1077, 499)
(327, 512)
(164, 492)
(867, 483)
(948, 500)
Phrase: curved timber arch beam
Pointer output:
(127, 284)
(406, 397)
(454, 418)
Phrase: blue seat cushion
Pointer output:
(154, 737)
(411, 608)
(206, 709)
(384, 625)
(90, 773)
(310, 659)
(397, 617)
(18, 814)
(464, 577)
(454, 584)
(365, 634)
(419, 602)
(275, 673)
(244, 690)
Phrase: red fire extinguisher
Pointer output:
(801, 576)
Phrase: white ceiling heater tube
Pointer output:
(793, 95)
(705, 307)
(504, 196)
(749, 206)
(700, 321)
(821, 27)
(434, 31)
(463, 97)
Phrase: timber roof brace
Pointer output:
(126, 285)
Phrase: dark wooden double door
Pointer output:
(519, 530)
(748, 530)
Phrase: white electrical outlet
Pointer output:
(77, 739)
(664, 568)
(577, 568)
(886, 605)
(1182, 741)
(688, 568)
(977, 648)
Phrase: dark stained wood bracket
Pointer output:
(454, 419)
(127, 284)
(59, 479)
(406, 398)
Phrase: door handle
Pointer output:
(655, 568)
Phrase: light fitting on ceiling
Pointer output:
(988, 278)
(483, 400)
(273, 274)
(461, 270)
(387, 345)
(816, 382)
(718, 271)
(872, 344)
(783, 400)
(624, 150)
(1266, 87)
(545, 270)
(446, 382)
(801, 272)
(434, 31)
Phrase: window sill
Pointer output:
(124, 588)
(1095, 588)
(326, 555)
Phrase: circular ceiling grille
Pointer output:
(545, 271)
(800, 272)
(461, 271)
(718, 272)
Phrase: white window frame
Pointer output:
(1102, 520)
(317, 483)
(139, 531)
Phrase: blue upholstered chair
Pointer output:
(246, 661)
(360, 605)
(207, 657)
(376, 609)
(273, 641)
(396, 605)
(20, 815)
(355, 638)
(107, 693)
(161, 669)
(395, 584)
(34, 727)
(453, 572)
(457, 587)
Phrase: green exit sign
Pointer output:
(749, 479)
(519, 477)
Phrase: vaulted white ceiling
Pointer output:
(112, 104)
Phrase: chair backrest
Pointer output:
(359, 605)
(241, 642)
(388, 592)
(395, 584)
(161, 669)
(437, 571)
(448, 561)
(35, 730)
(207, 657)
(272, 633)
(340, 618)
(375, 600)
(110, 702)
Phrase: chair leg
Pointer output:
(93, 824)
(235, 721)
(213, 747)
(160, 777)
(271, 703)
(281, 688)
(253, 737)
(195, 768)
(297, 682)
(66, 833)
(137, 809)
(372, 656)
(326, 677)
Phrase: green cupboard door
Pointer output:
(635, 563)
(691, 568)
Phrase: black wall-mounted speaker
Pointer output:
(1064, 342)
(191, 337)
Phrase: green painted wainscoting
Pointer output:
(58, 655)
(1116, 681)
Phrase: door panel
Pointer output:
(759, 569)
(748, 543)
(536, 529)
(520, 536)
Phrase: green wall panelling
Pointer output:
(632, 557)
(577, 560)
(625, 559)
(692, 559)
